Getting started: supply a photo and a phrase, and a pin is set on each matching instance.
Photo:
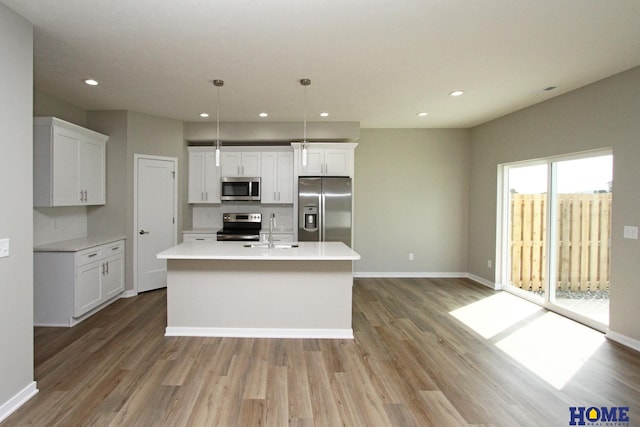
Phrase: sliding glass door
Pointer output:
(527, 240)
(556, 234)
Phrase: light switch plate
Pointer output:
(630, 232)
(4, 248)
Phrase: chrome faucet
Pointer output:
(272, 223)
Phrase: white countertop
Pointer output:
(307, 251)
(79, 244)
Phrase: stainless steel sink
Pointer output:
(275, 246)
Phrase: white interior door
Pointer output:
(155, 219)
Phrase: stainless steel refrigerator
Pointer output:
(324, 209)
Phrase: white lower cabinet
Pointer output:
(68, 285)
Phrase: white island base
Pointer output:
(301, 292)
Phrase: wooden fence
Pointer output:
(584, 229)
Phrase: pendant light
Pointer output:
(218, 83)
(305, 143)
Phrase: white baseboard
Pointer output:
(624, 340)
(12, 405)
(129, 294)
(259, 333)
(409, 274)
(426, 275)
(482, 281)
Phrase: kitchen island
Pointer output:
(225, 289)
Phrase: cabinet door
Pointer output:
(230, 163)
(211, 178)
(88, 288)
(315, 162)
(269, 181)
(197, 176)
(338, 162)
(65, 168)
(113, 277)
(92, 171)
(204, 177)
(251, 164)
(285, 178)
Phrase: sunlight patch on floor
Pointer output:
(552, 347)
(494, 314)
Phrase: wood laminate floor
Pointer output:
(412, 363)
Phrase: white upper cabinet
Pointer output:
(325, 159)
(69, 164)
(277, 177)
(240, 163)
(204, 176)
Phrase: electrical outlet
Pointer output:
(411, 256)
(630, 232)
(488, 263)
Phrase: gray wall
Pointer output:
(45, 105)
(16, 196)
(604, 114)
(411, 195)
(133, 133)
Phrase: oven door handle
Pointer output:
(238, 237)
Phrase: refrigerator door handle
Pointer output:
(322, 216)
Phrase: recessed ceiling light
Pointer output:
(91, 82)
(422, 114)
(263, 114)
(456, 93)
(324, 114)
(204, 115)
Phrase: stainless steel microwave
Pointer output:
(240, 188)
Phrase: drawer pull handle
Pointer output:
(93, 254)
(116, 248)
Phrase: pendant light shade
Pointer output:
(218, 83)
(305, 143)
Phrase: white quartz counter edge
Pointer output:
(306, 251)
(79, 244)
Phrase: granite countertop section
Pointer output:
(306, 251)
(79, 244)
(201, 230)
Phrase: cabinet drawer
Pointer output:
(90, 255)
(201, 237)
(99, 253)
(113, 248)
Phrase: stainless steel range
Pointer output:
(240, 227)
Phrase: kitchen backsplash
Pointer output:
(211, 216)
(56, 224)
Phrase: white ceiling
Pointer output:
(378, 62)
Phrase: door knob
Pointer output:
(144, 232)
